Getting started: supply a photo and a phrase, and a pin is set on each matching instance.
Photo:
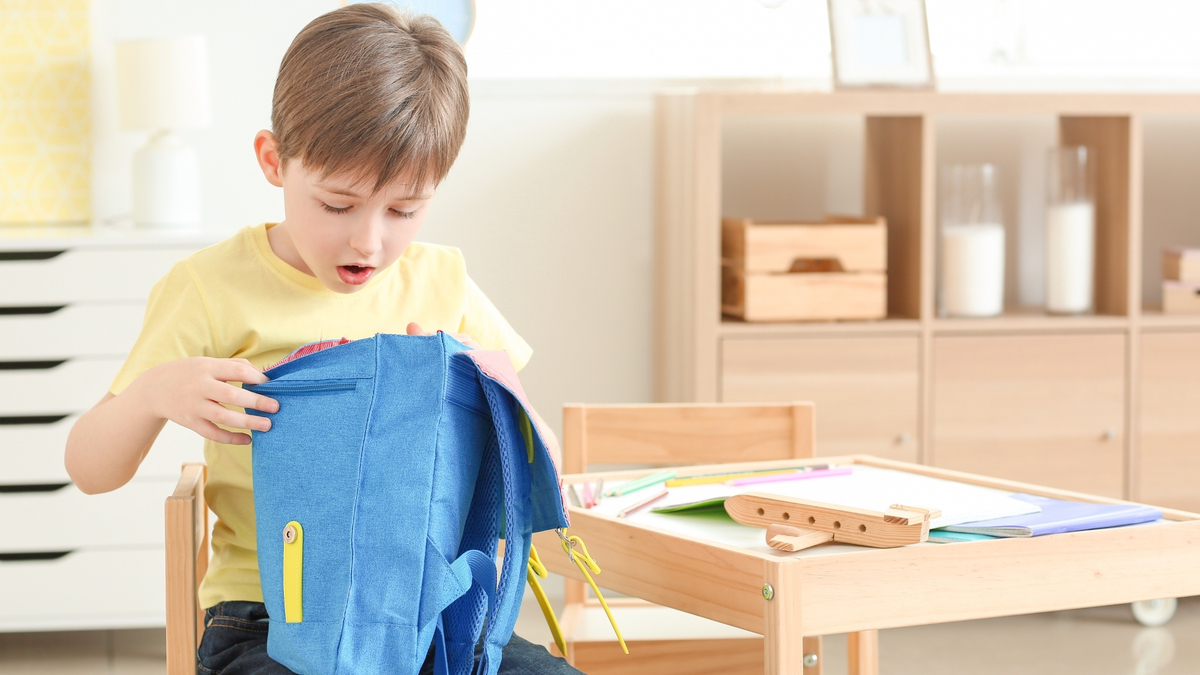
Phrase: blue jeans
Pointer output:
(235, 643)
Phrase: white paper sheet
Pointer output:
(867, 487)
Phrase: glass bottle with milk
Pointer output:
(1070, 231)
(972, 242)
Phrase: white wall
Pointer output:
(551, 198)
(551, 202)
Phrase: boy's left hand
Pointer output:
(414, 328)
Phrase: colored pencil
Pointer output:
(573, 496)
(642, 504)
(711, 478)
(799, 475)
(588, 502)
(641, 483)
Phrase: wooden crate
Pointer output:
(804, 271)
(1182, 264)
(1181, 297)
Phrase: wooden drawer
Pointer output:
(33, 453)
(82, 274)
(866, 389)
(69, 387)
(1046, 409)
(98, 588)
(1169, 466)
(65, 519)
(71, 330)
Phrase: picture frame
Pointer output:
(880, 44)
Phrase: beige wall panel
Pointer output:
(1045, 409)
(865, 388)
(1170, 442)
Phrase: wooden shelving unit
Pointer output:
(1090, 403)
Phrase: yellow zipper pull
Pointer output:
(537, 569)
(578, 553)
(293, 572)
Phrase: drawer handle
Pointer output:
(15, 256)
(30, 310)
(24, 488)
(31, 365)
(34, 556)
(12, 420)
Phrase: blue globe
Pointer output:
(458, 16)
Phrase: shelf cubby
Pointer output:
(800, 154)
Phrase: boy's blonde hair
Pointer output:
(375, 94)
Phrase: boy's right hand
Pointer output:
(193, 393)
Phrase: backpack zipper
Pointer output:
(306, 387)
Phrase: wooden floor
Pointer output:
(1103, 641)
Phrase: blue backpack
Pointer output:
(390, 471)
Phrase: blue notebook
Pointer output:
(1060, 516)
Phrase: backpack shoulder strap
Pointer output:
(532, 500)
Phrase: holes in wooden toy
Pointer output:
(787, 516)
(761, 512)
(837, 524)
(812, 520)
(862, 528)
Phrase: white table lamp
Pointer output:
(163, 87)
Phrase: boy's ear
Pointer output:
(266, 149)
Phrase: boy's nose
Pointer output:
(367, 239)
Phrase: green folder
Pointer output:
(702, 506)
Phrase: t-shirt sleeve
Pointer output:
(484, 323)
(176, 326)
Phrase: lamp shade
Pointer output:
(163, 83)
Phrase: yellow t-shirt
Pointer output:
(237, 299)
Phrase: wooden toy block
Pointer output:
(794, 524)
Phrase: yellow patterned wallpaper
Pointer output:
(45, 120)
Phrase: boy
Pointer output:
(369, 111)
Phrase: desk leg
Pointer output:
(782, 643)
(864, 652)
(812, 645)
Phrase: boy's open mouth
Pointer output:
(355, 274)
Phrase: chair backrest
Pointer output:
(673, 434)
(187, 561)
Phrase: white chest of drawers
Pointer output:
(71, 306)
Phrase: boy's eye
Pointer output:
(334, 209)
(403, 214)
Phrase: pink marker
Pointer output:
(799, 475)
(588, 501)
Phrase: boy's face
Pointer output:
(336, 229)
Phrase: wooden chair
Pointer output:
(187, 561)
(672, 435)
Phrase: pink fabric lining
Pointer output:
(497, 365)
(311, 348)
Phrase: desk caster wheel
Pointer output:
(1153, 613)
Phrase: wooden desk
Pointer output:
(839, 589)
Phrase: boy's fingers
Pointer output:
(243, 398)
(414, 328)
(215, 433)
(219, 414)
